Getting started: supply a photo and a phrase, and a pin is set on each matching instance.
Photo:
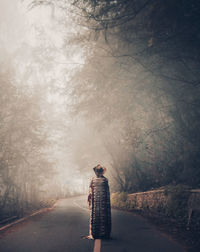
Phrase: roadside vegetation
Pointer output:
(119, 85)
(168, 209)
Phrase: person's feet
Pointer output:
(89, 237)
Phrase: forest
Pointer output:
(115, 82)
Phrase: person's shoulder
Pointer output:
(105, 178)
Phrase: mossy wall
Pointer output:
(172, 201)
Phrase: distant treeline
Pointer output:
(139, 87)
(141, 84)
(24, 168)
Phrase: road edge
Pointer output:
(28, 216)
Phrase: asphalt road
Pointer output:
(60, 230)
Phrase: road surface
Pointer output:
(60, 230)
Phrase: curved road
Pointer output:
(60, 230)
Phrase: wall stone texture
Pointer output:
(179, 202)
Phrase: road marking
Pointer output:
(97, 242)
(75, 203)
(97, 245)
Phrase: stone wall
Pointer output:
(150, 200)
(178, 202)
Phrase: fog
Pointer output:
(33, 46)
(79, 89)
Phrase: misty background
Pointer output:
(88, 82)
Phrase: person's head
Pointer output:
(99, 170)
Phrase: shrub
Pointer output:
(119, 200)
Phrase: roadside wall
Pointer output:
(174, 201)
(150, 200)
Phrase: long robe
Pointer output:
(100, 215)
